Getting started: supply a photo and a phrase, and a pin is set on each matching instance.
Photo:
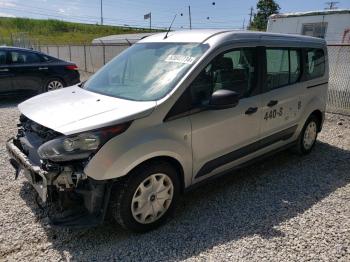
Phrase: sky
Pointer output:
(205, 14)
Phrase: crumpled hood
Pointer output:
(71, 110)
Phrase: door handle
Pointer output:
(43, 68)
(272, 103)
(4, 70)
(251, 110)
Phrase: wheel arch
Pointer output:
(320, 116)
(168, 159)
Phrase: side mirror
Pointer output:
(222, 99)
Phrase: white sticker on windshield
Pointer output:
(180, 59)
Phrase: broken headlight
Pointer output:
(79, 146)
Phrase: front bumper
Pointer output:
(36, 176)
(89, 210)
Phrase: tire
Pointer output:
(136, 191)
(53, 84)
(308, 136)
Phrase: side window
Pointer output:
(3, 58)
(295, 66)
(46, 58)
(233, 70)
(282, 67)
(277, 68)
(315, 63)
(24, 58)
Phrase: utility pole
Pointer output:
(243, 23)
(250, 16)
(150, 21)
(189, 15)
(331, 5)
(101, 14)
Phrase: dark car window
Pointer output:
(233, 70)
(46, 58)
(2, 57)
(315, 63)
(24, 58)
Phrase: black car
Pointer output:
(28, 72)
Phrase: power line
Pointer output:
(49, 13)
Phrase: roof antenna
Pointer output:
(166, 35)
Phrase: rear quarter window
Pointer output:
(46, 58)
(315, 63)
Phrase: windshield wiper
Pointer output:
(81, 85)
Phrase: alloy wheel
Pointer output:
(54, 85)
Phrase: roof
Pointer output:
(221, 35)
(311, 13)
(121, 39)
(16, 48)
(186, 36)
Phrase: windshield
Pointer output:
(145, 71)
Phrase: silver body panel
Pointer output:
(72, 110)
(192, 140)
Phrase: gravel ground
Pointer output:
(286, 208)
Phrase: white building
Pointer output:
(333, 25)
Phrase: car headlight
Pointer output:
(79, 146)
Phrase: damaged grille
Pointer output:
(31, 136)
(28, 126)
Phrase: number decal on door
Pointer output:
(273, 113)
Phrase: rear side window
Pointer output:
(46, 58)
(315, 63)
(282, 67)
(24, 58)
(2, 58)
(295, 69)
(277, 67)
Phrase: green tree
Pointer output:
(265, 8)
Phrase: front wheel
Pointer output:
(147, 198)
(308, 136)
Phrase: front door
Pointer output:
(220, 137)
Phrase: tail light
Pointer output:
(71, 67)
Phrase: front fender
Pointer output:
(123, 153)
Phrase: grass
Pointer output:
(56, 31)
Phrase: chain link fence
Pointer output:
(339, 79)
(90, 58)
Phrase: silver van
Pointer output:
(166, 114)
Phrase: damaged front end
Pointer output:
(54, 164)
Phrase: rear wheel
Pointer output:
(147, 198)
(308, 136)
(54, 84)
